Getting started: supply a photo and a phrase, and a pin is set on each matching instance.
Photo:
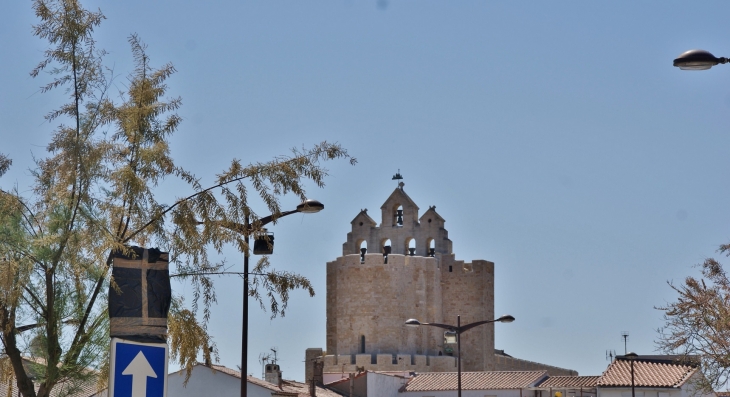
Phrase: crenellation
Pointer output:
(373, 259)
(405, 359)
(443, 364)
(363, 360)
(389, 362)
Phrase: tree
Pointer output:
(94, 194)
(698, 323)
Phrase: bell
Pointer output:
(399, 217)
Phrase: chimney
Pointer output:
(207, 361)
(317, 378)
(273, 374)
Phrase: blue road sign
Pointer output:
(138, 369)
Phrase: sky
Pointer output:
(555, 138)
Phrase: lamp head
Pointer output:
(697, 60)
(413, 323)
(310, 206)
(506, 319)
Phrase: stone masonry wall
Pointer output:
(468, 291)
(374, 299)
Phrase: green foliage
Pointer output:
(276, 286)
(95, 193)
(5, 163)
(697, 324)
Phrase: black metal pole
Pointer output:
(632, 379)
(458, 354)
(244, 332)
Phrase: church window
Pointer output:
(386, 249)
(363, 250)
(398, 216)
(411, 245)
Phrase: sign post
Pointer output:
(138, 308)
(137, 369)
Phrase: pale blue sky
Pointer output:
(555, 138)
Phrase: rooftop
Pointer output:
(495, 380)
(570, 381)
(288, 387)
(646, 374)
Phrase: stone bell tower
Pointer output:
(405, 268)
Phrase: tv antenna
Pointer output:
(264, 359)
(625, 335)
(610, 354)
(273, 349)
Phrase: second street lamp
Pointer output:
(459, 329)
(306, 207)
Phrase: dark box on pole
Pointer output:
(138, 308)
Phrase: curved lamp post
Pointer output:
(306, 207)
(631, 356)
(697, 60)
(459, 329)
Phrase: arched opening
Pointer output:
(411, 245)
(431, 244)
(398, 215)
(385, 248)
(363, 244)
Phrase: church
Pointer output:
(405, 268)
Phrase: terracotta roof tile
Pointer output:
(570, 381)
(494, 380)
(227, 371)
(646, 374)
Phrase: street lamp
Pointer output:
(306, 207)
(459, 329)
(631, 356)
(697, 60)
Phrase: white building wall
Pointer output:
(206, 382)
(380, 385)
(640, 392)
(687, 390)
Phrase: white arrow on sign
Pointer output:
(140, 369)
